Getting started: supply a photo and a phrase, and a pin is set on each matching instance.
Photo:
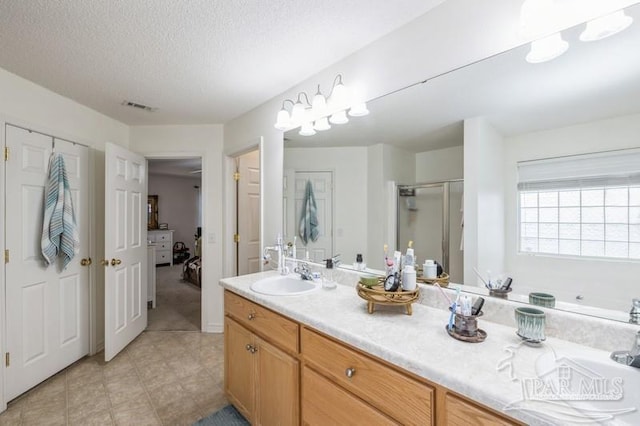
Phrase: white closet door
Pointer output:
(248, 215)
(47, 308)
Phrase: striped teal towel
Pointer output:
(308, 226)
(59, 230)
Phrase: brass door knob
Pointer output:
(85, 262)
(115, 262)
(104, 262)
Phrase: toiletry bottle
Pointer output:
(430, 269)
(409, 278)
(327, 279)
(409, 258)
(359, 265)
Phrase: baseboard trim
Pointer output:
(213, 328)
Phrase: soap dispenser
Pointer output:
(327, 278)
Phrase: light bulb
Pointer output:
(547, 48)
(339, 117)
(606, 26)
(339, 98)
(283, 121)
(307, 129)
(322, 124)
(359, 109)
(319, 103)
(297, 113)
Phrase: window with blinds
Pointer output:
(583, 205)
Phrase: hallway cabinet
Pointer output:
(163, 239)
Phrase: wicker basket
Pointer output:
(442, 280)
(376, 295)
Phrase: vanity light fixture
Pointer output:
(316, 115)
(547, 48)
(542, 17)
(606, 26)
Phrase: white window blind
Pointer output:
(584, 205)
(606, 168)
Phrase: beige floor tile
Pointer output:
(12, 416)
(94, 395)
(44, 416)
(120, 393)
(90, 416)
(165, 394)
(178, 408)
(136, 416)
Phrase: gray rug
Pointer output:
(226, 416)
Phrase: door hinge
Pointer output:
(236, 238)
(7, 359)
(6, 153)
(6, 256)
(236, 176)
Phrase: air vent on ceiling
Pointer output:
(139, 106)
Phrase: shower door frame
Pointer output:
(446, 228)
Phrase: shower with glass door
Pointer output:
(430, 215)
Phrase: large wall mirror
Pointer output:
(477, 123)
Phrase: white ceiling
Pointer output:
(197, 61)
(184, 167)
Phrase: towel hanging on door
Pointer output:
(308, 226)
(59, 230)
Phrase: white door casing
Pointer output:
(47, 309)
(248, 214)
(125, 248)
(322, 183)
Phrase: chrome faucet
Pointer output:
(280, 249)
(302, 268)
(631, 357)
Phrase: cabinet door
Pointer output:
(462, 413)
(239, 368)
(325, 403)
(277, 386)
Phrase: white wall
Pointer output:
(563, 277)
(205, 141)
(178, 205)
(349, 193)
(440, 164)
(483, 200)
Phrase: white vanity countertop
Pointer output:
(493, 372)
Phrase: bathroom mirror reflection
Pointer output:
(476, 123)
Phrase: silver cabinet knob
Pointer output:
(248, 347)
(349, 372)
(251, 316)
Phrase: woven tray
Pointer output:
(376, 295)
(442, 280)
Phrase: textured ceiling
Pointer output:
(197, 61)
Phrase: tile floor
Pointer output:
(161, 378)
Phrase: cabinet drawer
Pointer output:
(276, 328)
(461, 413)
(163, 246)
(324, 403)
(402, 397)
(163, 236)
(163, 256)
(151, 237)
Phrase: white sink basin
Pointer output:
(587, 388)
(288, 285)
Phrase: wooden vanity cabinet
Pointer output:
(393, 393)
(458, 411)
(278, 372)
(261, 378)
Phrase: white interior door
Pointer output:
(322, 183)
(248, 214)
(125, 248)
(47, 308)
